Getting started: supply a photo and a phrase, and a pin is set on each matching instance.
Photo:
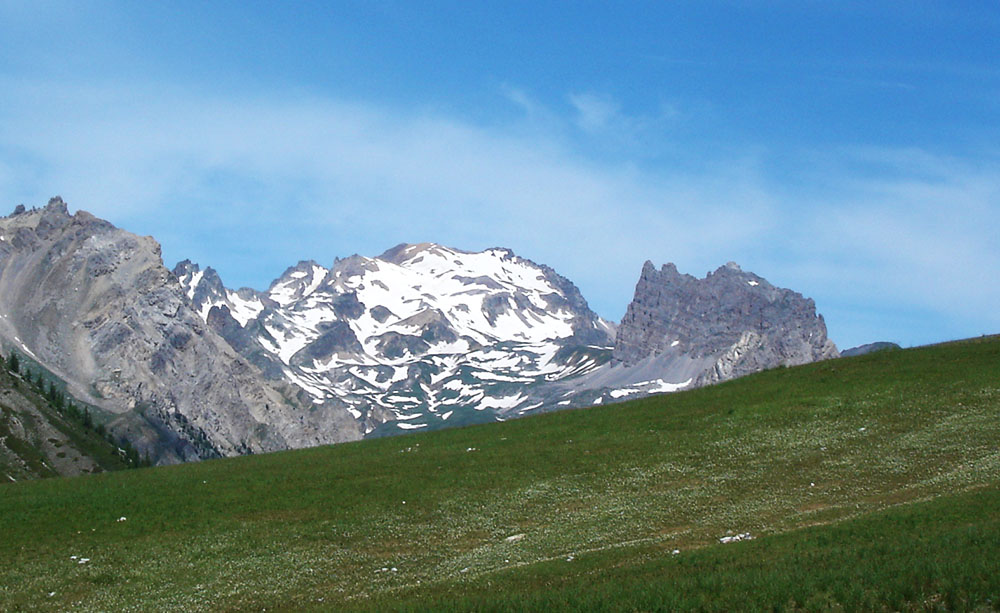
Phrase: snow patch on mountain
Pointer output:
(421, 330)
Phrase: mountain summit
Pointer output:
(94, 305)
(736, 318)
(414, 336)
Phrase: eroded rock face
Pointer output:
(95, 305)
(736, 320)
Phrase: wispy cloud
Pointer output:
(528, 104)
(595, 113)
(903, 232)
(359, 177)
(602, 115)
(251, 184)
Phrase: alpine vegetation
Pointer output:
(866, 483)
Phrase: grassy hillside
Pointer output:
(934, 555)
(864, 481)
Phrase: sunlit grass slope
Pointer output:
(864, 481)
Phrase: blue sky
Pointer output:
(848, 150)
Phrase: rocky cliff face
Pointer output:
(95, 305)
(733, 322)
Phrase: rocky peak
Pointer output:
(210, 286)
(201, 286)
(297, 282)
(95, 305)
(303, 266)
(56, 206)
(504, 253)
(346, 268)
(52, 217)
(205, 289)
(404, 252)
(678, 313)
(869, 348)
(185, 268)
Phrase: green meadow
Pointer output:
(866, 483)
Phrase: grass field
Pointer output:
(869, 482)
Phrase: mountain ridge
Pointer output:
(96, 306)
(421, 337)
(679, 332)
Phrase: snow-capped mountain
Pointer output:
(416, 337)
(205, 289)
(420, 337)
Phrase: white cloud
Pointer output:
(345, 171)
(250, 185)
(905, 232)
(524, 101)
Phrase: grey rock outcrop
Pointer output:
(95, 305)
(735, 320)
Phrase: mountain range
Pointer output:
(421, 337)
